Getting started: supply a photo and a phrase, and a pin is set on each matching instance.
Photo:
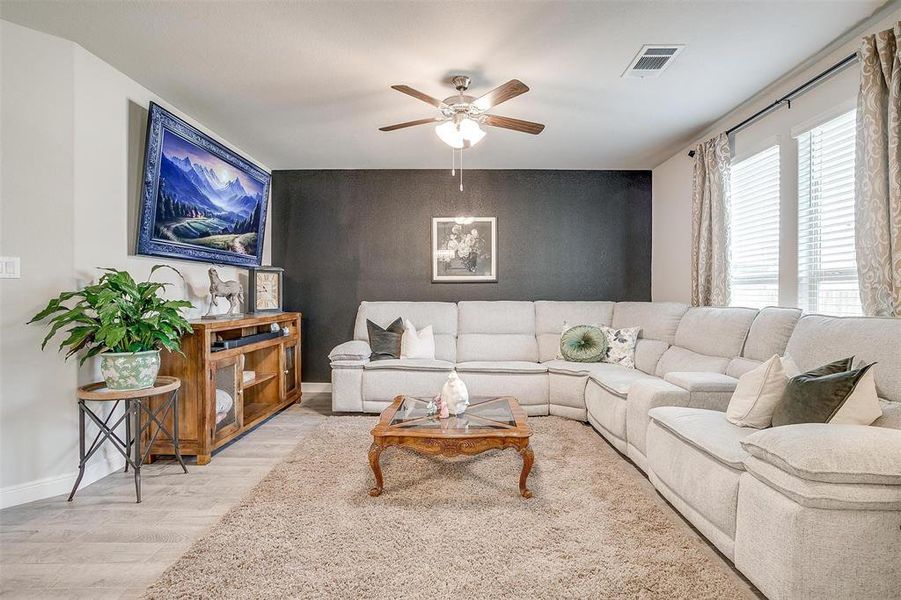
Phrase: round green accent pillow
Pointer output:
(583, 343)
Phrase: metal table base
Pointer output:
(135, 428)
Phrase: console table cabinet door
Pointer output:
(226, 378)
(290, 368)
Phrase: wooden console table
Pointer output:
(274, 386)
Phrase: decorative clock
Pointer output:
(266, 290)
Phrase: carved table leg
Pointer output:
(528, 457)
(374, 451)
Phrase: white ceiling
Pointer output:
(306, 85)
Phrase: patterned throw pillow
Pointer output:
(583, 343)
(566, 327)
(622, 345)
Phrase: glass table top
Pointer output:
(482, 414)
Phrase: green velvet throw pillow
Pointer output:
(385, 343)
(583, 343)
(817, 395)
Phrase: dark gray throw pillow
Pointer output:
(815, 396)
(385, 343)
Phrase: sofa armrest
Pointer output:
(823, 452)
(702, 381)
(643, 396)
(707, 389)
(354, 350)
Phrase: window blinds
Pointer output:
(754, 230)
(827, 267)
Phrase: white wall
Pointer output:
(37, 207)
(72, 146)
(671, 180)
(670, 219)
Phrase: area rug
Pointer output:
(450, 528)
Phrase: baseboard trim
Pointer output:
(312, 387)
(98, 468)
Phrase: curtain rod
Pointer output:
(787, 98)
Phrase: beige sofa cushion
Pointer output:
(619, 380)
(505, 366)
(738, 366)
(648, 353)
(770, 331)
(550, 317)
(818, 340)
(496, 331)
(706, 430)
(715, 331)
(829, 496)
(700, 381)
(409, 364)
(658, 320)
(831, 453)
(352, 350)
(677, 359)
(442, 316)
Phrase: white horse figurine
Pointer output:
(230, 290)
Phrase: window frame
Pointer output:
(838, 111)
(782, 130)
(753, 151)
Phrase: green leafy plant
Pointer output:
(117, 314)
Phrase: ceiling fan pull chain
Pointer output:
(461, 169)
(453, 162)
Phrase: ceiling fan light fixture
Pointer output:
(449, 134)
(463, 135)
(471, 131)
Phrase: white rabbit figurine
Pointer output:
(454, 394)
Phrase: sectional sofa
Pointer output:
(804, 511)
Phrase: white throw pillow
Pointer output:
(757, 394)
(862, 406)
(621, 344)
(417, 344)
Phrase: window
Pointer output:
(827, 267)
(754, 230)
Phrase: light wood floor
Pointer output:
(104, 545)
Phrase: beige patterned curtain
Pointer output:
(710, 223)
(878, 174)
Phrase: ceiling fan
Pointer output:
(462, 115)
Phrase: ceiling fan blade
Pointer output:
(514, 124)
(411, 123)
(405, 89)
(511, 89)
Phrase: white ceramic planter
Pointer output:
(130, 370)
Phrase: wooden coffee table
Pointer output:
(488, 423)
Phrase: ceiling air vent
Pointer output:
(651, 60)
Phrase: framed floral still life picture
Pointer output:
(464, 249)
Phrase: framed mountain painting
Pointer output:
(199, 200)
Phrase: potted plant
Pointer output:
(125, 322)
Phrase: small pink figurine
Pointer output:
(443, 411)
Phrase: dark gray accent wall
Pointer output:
(347, 236)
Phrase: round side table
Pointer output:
(137, 404)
